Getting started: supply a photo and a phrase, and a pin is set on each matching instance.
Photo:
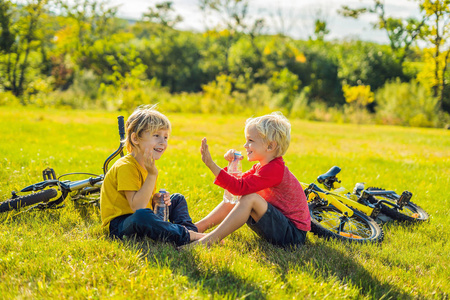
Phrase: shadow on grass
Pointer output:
(327, 263)
(216, 279)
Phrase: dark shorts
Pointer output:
(277, 229)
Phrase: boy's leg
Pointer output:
(178, 212)
(277, 229)
(145, 223)
(249, 205)
(215, 217)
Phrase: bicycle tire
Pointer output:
(409, 213)
(358, 229)
(27, 200)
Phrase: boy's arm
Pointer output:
(207, 159)
(251, 182)
(139, 199)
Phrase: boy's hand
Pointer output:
(157, 196)
(207, 159)
(206, 155)
(149, 162)
(229, 156)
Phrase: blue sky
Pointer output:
(298, 15)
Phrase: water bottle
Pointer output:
(161, 209)
(235, 169)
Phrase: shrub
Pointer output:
(406, 103)
(8, 98)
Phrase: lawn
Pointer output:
(65, 253)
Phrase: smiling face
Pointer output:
(156, 141)
(257, 148)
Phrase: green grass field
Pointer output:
(65, 253)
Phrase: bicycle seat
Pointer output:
(330, 173)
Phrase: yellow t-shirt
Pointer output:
(125, 175)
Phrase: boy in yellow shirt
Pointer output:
(129, 189)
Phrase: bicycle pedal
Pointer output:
(404, 198)
(48, 174)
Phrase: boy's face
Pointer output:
(255, 145)
(156, 141)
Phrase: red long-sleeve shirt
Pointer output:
(277, 185)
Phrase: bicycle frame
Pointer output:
(338, 200)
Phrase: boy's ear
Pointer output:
(272, 146)
(134, 138)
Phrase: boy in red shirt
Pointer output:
(273, 203)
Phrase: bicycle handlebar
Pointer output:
(119, 150)
(121, 128)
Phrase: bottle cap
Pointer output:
(162, 191)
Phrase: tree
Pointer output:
(234, 21)
(320, 29)
(86, 21)
(163, 14)
(23, 37)
(6, 36)
(402, 33)
(437, 58)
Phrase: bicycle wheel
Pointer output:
(409, 213)
(359, 228)
(27, 200)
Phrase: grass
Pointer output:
(65, 253)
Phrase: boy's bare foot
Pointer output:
(194, 236)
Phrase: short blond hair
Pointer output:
(144, 118)
(273, 128)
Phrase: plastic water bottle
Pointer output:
(235, 169)
(161, 209)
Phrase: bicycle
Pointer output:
(391, 205)
(338, 217)
(51, 192)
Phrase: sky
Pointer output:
(297, 15)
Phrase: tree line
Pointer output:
(81, 49)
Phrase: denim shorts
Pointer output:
(277, 229)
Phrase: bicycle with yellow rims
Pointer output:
(335, 216)
(389, 204)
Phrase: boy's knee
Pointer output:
(142, 214)
(177, 198)
(252, 198)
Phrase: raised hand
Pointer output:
(207, 159)
(204, 150)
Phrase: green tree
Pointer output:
(28, 35)
(320, 29)
(437, 58)
(6, 36)
(402, 33)
(86, 21)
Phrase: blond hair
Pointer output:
(144, 118)
(273, 128)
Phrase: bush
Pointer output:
(409, 104)
(8, 98)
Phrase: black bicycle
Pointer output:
(52, 191)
